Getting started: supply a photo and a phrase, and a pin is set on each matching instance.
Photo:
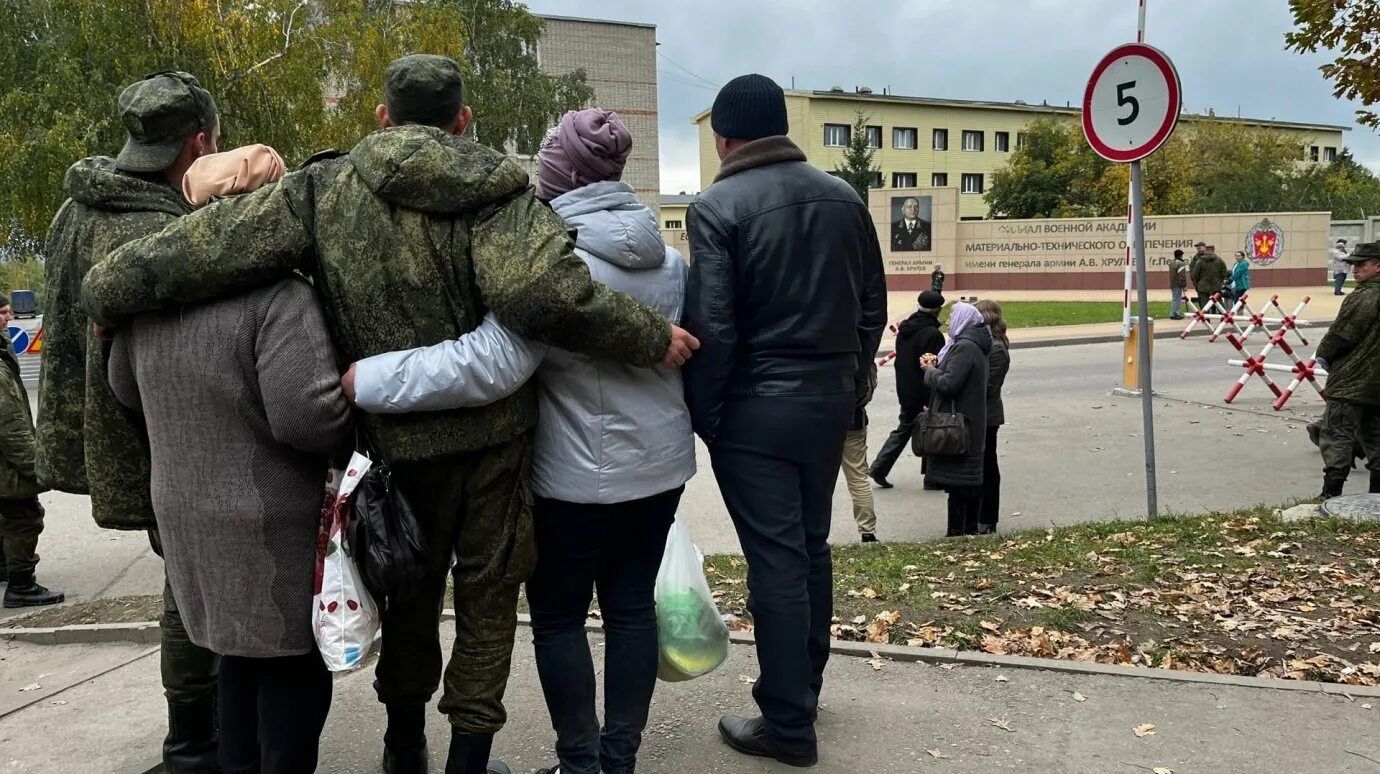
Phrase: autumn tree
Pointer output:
(858, 169)
(1351, 30)
(1053, 174)
(300, 75)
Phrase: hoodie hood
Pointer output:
(424, 169)
(612, 225)
(97, 183)
(980, 335)
(915, 323)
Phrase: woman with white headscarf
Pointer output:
(957, 378)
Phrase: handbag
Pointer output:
(388, 542)
(939, 433)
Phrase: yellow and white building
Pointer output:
(944, 143)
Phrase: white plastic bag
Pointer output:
(692, 637)
(344, 616)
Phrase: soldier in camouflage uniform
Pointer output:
(21, 515)
(412, 236)
(87, 441)
(1350, 352)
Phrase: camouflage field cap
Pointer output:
(159, 113)
(424, 89)
(1365, 251)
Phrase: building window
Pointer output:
(1313, 153)
(1003, 142)
(939, 180)
(972, 183)
(1020, 140)
(972, 141)
(903, 138)
(903, 180)
(877, 180)
(672, 225)
(941, 139)
(874, 136)
(1329, 154)
(837, 135)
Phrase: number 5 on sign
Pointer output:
(1132, 103)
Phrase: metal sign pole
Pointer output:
(1147, 401)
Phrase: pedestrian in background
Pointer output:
(918, 335)
(1350, 353)
(21, 514)
(1340, 267)
(998, 364)
(957, 377)
(1178, 280)
(937, 279)
(787, 296)
(1208, 275)
(1240, 277)
(855, 470)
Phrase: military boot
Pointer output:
(469, 754)
(193, 743)
(404, 742)
(24, 591)
(1332, 487)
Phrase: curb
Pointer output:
(148, 633)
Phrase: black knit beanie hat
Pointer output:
(750, 107)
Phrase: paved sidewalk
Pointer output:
(872, 721)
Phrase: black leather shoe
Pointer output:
(31, 595)
(868, 537)
(879, 480)
(749, 737)
(987, 529)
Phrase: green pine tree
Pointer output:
(858, 169)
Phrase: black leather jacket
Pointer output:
(787, 293)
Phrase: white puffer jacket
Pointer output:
(608, 432)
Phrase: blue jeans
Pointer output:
(1176, 306)
(1338, 280)
(617, 549)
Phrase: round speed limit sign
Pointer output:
(1132, 103)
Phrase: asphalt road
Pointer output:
(1071, 452)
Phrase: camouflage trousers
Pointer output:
(21, 522)
(188, 670)
(1346, 425)
(477, 508)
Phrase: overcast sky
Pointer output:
(1230, 55)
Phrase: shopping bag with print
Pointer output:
(691, 635)
(344, 616)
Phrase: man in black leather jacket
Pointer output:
(787, 296)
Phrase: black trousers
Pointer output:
(896, 443)
(965, 505)
(990, 510)
(617, 550)
(272, 711)
(777, 461)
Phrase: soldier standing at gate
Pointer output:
(1350, 352)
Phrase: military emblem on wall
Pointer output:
(1264, 243)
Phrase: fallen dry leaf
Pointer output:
(30, 687)
(904, 587)
(1002, 723)
(1146, 730)
(879, 631)
(1079, 697)
(747, 679)
(876, 661)
(990, 626)
(868, 593)
(936, 754)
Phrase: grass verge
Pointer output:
(1243, 593)
(1039, 314)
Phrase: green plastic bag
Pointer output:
(692, 637)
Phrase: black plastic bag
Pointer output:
(387, 542)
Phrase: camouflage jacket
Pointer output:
(1208, 274)
(412, 237)
(1351, 347)
(87, 441)
(17, 479)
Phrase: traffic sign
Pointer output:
(1131, 103)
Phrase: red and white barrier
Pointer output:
(1255, 365)
(1216, 316)
(886, 359)
(1213, 310)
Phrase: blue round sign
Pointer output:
(19, 339)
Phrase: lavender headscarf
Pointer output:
(588, 146)
(961, 318)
